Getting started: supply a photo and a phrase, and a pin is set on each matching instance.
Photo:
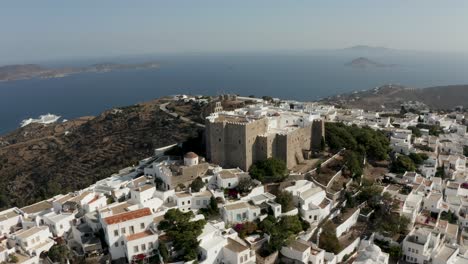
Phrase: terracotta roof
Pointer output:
(139, 235)
(191, 155)
(127, 216)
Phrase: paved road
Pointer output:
(163, 108)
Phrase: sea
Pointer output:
(304, 76)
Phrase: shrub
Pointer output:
(269, 170)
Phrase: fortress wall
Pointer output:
(318, 132)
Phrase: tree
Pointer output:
(395, 252)
(418, 158)
(353, 164)
(281, 231)
(450, 217)
(244, 185)
(415, 131)
(318, 168)
(13, 258)
(59, 253)
(364, 141)
(163, 252)
(286, 200)
(402, 164)
(197, 184)
(183, 231)
(245, 229)
(328, 240)
(269, 170)
(212, 209)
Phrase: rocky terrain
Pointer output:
(29, 71)
(39, 161)
(392, 96)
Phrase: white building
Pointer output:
(240, 212)
(8, 220)
(118, 226)
(369, 253)
(419, 245)
(33, 241)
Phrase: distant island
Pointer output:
(363, 62)
(29, 71)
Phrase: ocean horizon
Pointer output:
(304, 77)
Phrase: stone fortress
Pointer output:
(244, 136)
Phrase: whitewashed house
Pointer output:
(9, 219)
(117, 227)
(419, 245)
(240, 212)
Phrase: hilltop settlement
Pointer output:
(276, 181)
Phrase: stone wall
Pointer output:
(232, 145)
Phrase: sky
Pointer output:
(49, 29)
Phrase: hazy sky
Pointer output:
(50, 29)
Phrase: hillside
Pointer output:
(39, 161)
(392, 96)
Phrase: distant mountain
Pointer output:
(29, 71)
(392, 96)
(363, 62)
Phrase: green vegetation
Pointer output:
(59, 253)
(434, 130)
(418, 158)
(244, 185)
(184, 232)
(395, 252)
(281, 231)
(353, 163)
(415, 130)
(403, 163)
(451, 217)
(13, 258)
(328, 239)
(269, 170)
(245, 229)
(363, 141)
(197, 184)
(286, 200)
(440, 172)
(212, 209)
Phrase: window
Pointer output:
(229, 184)
(198, 202)
(116, 244)
(135, 248)
(150, 245)
(116, 232)
(239, 217)
(121, 243)
(123, 230)
(205, 202)
(183, 203)
(132, 230)
(315, 218)
(417, 251)
(61, 226)
(255, 214)
(310, 217)
(219, 139)
(244, 215)
(188, 202)
(143, 247)
(142, 225)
